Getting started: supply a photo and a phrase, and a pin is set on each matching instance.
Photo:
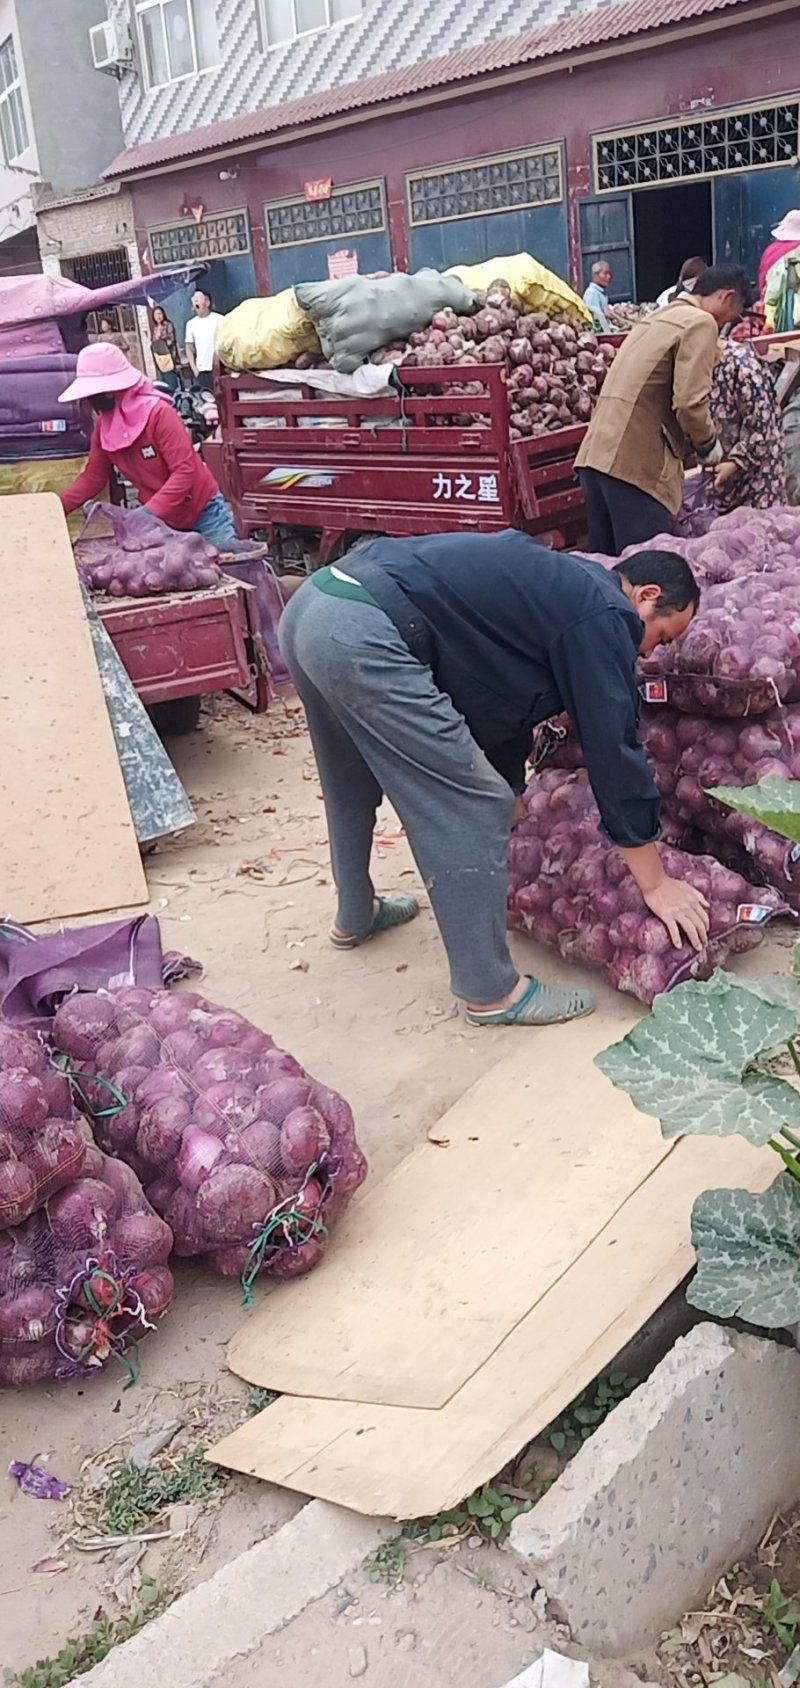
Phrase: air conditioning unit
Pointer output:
(111, 45)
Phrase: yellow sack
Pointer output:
(44, 474)
(537, 287)
(266, 333)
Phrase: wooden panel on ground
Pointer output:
(404, 1462)
(438, 1263)
(67, 841)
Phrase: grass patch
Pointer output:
(81, 1652)
(134, 1497)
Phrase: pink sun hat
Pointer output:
(101, 368)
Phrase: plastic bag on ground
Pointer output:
(569, 887)
(131, 554)
(38, 968)
(266, 333)
(538, 288)
(248, 1158)
(355, 316)
(83, 1257)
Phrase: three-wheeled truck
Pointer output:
(313, 474)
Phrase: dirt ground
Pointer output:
(247, 891)
(749, 1628)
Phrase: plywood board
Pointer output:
(457, 1244)
(405, 1462)
(67, 841)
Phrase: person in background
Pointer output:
(385, 650)
(595, 296)
(138, 433)
(654, 410)
(201, 337)
(688, 274)
(785, 239)
(744, 408)
(111, 335)
(164, 343)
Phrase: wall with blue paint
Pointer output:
(289, 265)
(228, 280)
(469, 240)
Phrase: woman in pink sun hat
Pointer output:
(138, 433)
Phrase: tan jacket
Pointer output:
(654, 405)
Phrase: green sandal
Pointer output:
(540, 1006)
(392, 911)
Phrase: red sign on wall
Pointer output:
(318, 190)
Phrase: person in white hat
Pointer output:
(785, 239)
(138, 433)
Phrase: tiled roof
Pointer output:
(601, 26)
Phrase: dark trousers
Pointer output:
(619, 514)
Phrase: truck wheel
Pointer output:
(177, 717)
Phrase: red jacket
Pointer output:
(777, 249)
(171, 479)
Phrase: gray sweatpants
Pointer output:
(379, 725)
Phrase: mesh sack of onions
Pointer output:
(741, 654)
(245, 1156)
(741, 542)
(131, 554)
(689, 755)
(83, 1257)
(570, 887)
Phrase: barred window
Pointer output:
(517, 182)
(686, 149)
(360, 209)
(101, 269)
(223, 236)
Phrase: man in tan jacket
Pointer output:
(653, 411)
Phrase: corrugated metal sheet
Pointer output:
(337, 70)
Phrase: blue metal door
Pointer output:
(541, 231)
(289, 265)
(746, 209)
(606, 230)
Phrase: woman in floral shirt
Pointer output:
(745, 409)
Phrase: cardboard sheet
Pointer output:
(435, 1266)
(67, 840)
(406, 1462)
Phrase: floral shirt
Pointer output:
(745, 410)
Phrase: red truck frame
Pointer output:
(321, 471)
(187, 644)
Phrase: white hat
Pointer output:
(788, 228)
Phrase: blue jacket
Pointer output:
(514, 634)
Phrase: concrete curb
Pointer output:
(228, 1617)
(677, 1483)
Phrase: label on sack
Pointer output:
(753, 914)
(794, 853)
(654, 691)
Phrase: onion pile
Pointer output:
(42, 1148)
(570, 887)
(148, 563)
(245, 1156)
(83, 1257)
(555, 369)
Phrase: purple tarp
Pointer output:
(37, 971)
